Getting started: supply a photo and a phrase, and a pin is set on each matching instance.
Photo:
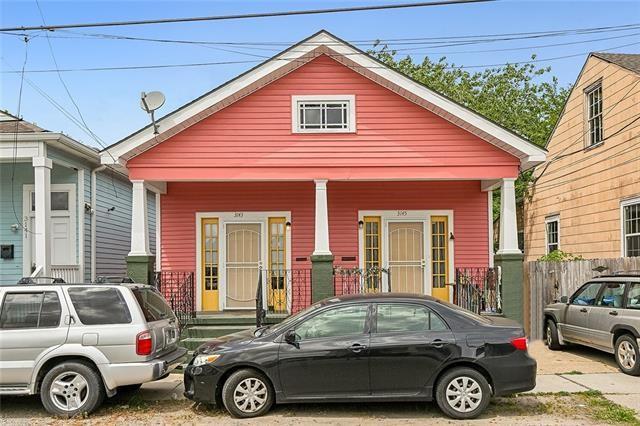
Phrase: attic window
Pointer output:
(593, 99)
(323, 114)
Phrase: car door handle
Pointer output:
(437, 343)
(583, 310)
(614, 313)
(357, 348)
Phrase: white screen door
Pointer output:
(243, 261)
(406, 257)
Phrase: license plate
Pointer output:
(170, 336)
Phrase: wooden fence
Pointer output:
(545, 282)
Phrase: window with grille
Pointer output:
(553, 233)
(439, 252)
(594, 114)
(631, 228)
(372, 253)
(210, 254)
(331, 114)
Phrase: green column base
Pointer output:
(321, 277)
(512, 285)
(141, 268)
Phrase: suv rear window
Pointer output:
(30, 310)
(99, 305)
(153, 305)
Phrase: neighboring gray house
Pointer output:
(86, 232)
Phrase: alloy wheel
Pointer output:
(627, 355)
(69, 391)
(464, 394)
(250, 395)
(549, 336)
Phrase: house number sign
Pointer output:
(401, 213)
(238, 214)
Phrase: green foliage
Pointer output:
(604, 410)
(559, 256)
(519, 97)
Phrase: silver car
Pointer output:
(604, 313)
(76, 344)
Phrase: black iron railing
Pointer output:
(178, 288)
(478, 289)
(283, 291)
(360, 281)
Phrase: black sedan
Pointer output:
(384, 347)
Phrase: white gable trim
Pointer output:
(529, 154)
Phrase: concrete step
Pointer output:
(235, 320)
(212, 331)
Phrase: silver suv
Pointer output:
(76, 344)
(605, 314)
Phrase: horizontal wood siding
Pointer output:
(585, 187)
(183, 200)
(253, 139)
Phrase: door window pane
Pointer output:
(59, 201)
(97, 306)
(407, 318)
(612, 295)
(586, 296)
(439, 256)
(633, 297)
(30, 310)
(336, 322)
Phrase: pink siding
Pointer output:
(252, 139)
(184, 199)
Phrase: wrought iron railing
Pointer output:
(478, 289)
(360, 281)
(285, 290)
(178, 288)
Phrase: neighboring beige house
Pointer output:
(586, 200)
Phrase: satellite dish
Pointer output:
(150, 102)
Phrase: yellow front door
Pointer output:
(440, 257)
(210, 265)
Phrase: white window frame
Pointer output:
(547, 220)
(623, 239)
(587, 92)
(295, 113)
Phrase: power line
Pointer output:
(246, 16)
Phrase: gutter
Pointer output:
(94, 173)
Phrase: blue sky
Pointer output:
(109, 100)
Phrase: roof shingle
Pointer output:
(630, 61)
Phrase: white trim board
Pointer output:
(424, 216)
(319, 43)
(235, 217)
(623, 240)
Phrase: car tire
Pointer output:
(247, 393)
(463, 393)
(551, 336)
(72, 388)
(627, 355)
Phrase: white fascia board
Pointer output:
(525, 150)
(58, 140)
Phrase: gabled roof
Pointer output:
(324, 43)
(9, 123)
(630, 61)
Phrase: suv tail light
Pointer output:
(520, 343)
(144, 343)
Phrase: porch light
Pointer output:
(360, 224)
(451, 237)
(288, 226)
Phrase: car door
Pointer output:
(575, 326)
(409, 343)
(605, 314)
(330, 356)
(31, 324)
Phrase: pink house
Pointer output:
(318, 172)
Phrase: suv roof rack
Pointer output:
(36, 280)
(630, 273)
(113, 280)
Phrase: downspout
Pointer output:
(94, 173)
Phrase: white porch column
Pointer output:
(322, 219)
(42, 232)
(508, 223)
(139, 220)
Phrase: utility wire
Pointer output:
(245, 16)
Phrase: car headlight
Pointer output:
(205, 359)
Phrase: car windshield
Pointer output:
(288, 321)
(465, 312)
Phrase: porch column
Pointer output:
(140, 262)
(322, 258)
(42, 232)
(509, 257)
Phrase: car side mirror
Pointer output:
(290, 337)
(564, 299)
